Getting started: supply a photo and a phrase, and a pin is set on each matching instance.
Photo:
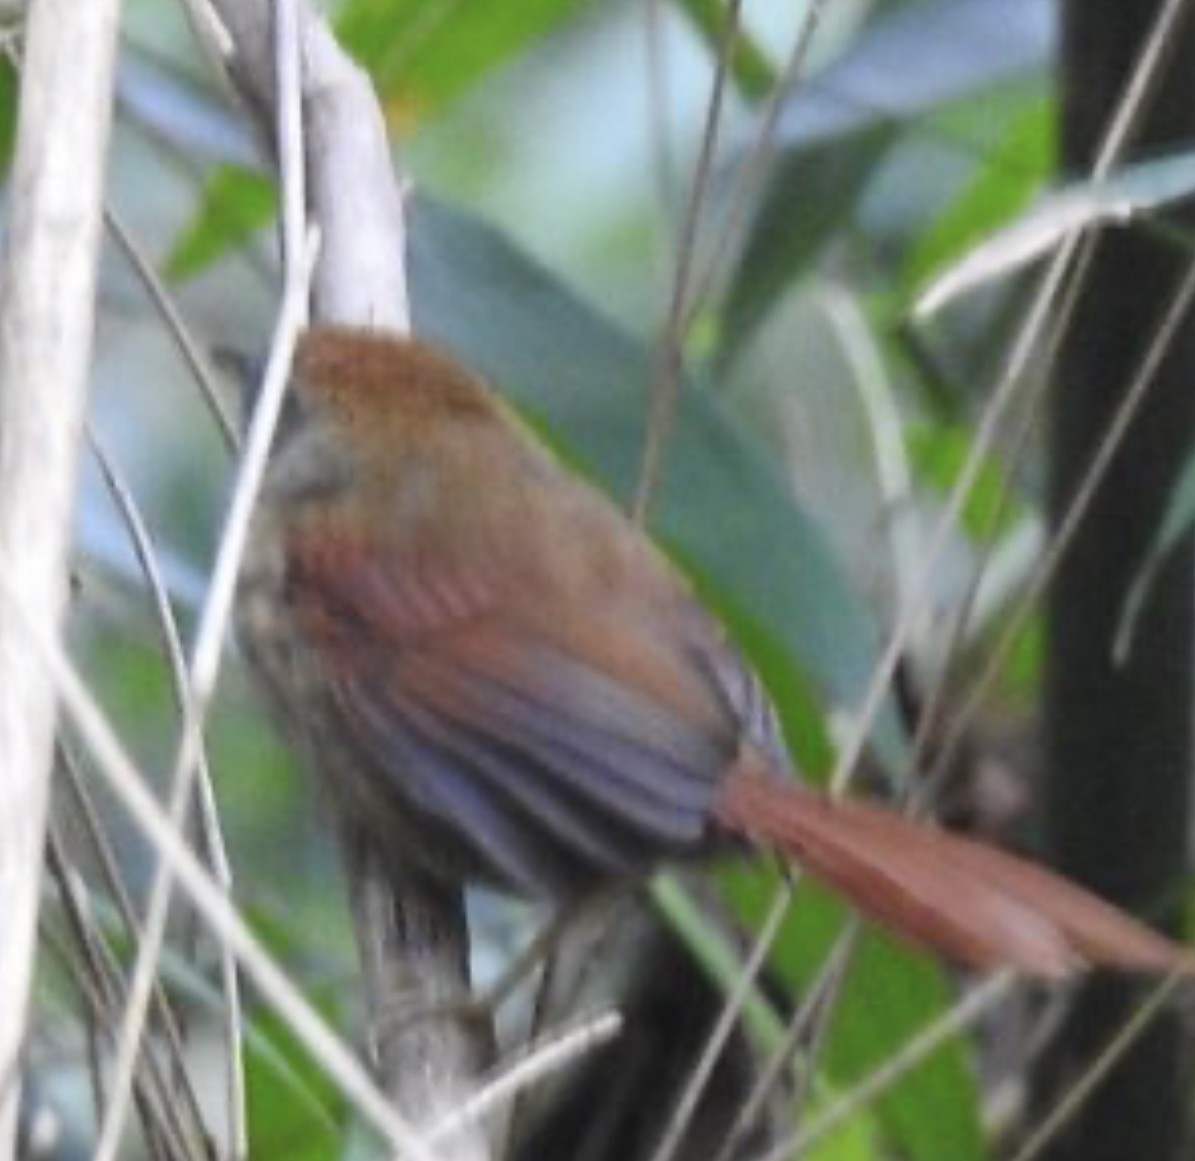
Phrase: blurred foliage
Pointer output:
(423, 53)
(1006, 178)
(236, 204)
(8, 111)
(751, 71)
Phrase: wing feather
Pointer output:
(506, 727)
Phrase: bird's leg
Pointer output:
(546, 942)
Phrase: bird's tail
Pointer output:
(968, 901)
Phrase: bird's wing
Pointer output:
(564, 747)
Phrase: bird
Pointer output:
(500, 677)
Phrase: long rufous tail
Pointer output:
(968, 901)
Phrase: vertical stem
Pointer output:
(46, 323)
(1119, 735)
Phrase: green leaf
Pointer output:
(8, 112)
(1008, 177)
(720, 506)
(422, 53)
(236, 203)
(294, 1111)
(810, 194)
(890, 994)
(1117, 199)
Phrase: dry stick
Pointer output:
(97, 839)
(821, 1005)
(581, 932)
(666, 379)
(46, 325)
(821, 996)
(970, 1009)
(97, 975)
(753, 168)
(685, 304)
(289, 136)
(193, 355)
(540, 1002)
(535, 1062)
(1130, 404)
(663, 403)
(88, 988)
(217, 610)
(159, 1144)
(963, 716)
(309, 1027)
(884, 429)
(203, 670)
(106, 861)
(208, 814)
(659, 114)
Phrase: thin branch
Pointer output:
(809, 1023)
(203, 669)
(965, 1013)
(666, 378)
(703, 1070)
(193, 355)
(536, 1063)
(97, 975)
(209, 822)
(1094, 1075)
(46, 322)
(209, 898)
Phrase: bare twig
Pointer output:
(208, 816)
(669, 355)
(45, 348)
(208, 896)
(1098, 1070)
(167, 1112)
(195, 357)
(203, 670)
(537, 1061)
(968, 1010)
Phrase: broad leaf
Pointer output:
(720, 506)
